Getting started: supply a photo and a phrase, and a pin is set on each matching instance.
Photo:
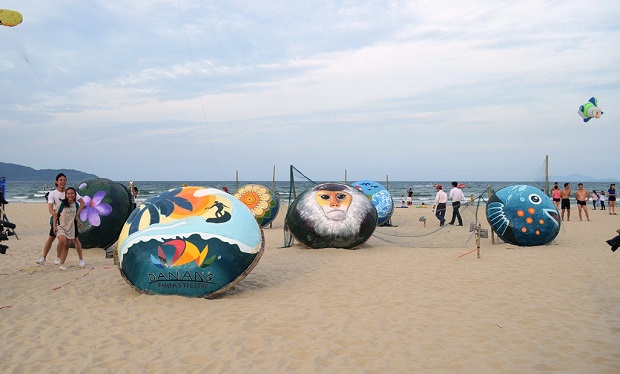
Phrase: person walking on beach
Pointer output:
(456, 195)
(582, 195)
(565, 203)
(65, 225)
(555, 195)
(441, 198)
(601, 200)
(53, 203)
(594, 199)
(611, 197)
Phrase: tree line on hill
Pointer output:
(20, 173)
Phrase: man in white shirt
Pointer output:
(441, 198)
(456, 195)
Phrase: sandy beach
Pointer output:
(382, 308)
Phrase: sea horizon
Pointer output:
(424, 191)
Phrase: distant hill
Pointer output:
(579, 178)
(19, 173)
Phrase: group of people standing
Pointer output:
(64, 205)
(561, 199)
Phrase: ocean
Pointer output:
(424, 191)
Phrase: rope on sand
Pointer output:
(59, 287)
(7, 306)
(465, 254)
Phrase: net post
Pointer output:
(273, 188)
(492, 232)
(478, 241)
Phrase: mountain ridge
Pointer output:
(574, 177)
(20, 173)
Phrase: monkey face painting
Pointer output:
(332, 215)
(334, 203)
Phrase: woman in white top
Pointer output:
(64, 224)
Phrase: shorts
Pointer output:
(565, 203)
(556, 199)
(579, 202)
(612, 198)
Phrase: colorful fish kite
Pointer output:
(590, 110)
(10, 18)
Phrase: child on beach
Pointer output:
(64, 224)
(601, 200)
(595, 198)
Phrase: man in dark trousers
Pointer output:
(456, 195)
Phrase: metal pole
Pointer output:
(547, 175)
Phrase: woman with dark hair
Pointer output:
(611, 197)
(64, 224)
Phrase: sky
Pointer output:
(217, 90)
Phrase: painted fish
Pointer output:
(590, 110)
(523, 215)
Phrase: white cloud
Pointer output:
(416, 90)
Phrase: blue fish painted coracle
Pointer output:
(523, 215)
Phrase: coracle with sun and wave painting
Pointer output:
(523, 215)
(107, 204)
(262, 202)
(189, 241)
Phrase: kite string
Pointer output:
(198, 89)
(571, 116)
(23, 51)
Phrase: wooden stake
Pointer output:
(492, 232)
(478, 241)
(273, 188)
